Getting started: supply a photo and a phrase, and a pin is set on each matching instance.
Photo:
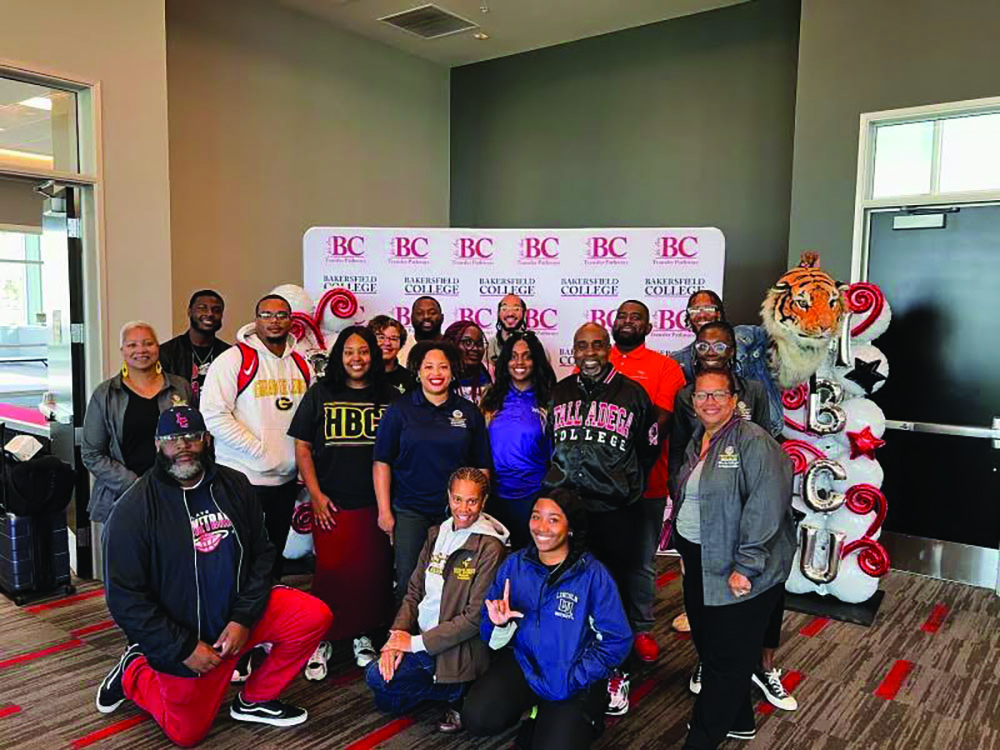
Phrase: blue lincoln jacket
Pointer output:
(574, 630)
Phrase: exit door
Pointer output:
(942, 402)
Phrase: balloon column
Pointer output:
(833, 431)
(315, 328)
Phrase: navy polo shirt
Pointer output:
(424, 444)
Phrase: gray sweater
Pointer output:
(746, 509)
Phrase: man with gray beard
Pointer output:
(188, 579)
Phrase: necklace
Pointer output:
(201, 365)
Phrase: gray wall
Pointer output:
(688, 122)
(864, 56)
(280, 121)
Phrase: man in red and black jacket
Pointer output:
(605, 438)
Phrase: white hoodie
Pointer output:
(251, 430)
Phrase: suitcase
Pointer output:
(34, 550)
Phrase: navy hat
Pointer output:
(179, 420)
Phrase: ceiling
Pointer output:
(512, 25)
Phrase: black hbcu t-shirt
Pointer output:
(341, 427)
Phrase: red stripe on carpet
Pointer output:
(35, 609)
(790, 681)
(108, 731)
(39, 654)
(933, 623)
(894, 680)
(374, 739)
(97, 627)
(814, 626)
(9, 710)
(670, 575)
(641, 691)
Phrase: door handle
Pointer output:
(988, 433)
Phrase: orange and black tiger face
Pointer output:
(805, 303)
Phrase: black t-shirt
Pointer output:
(341, 427)
(401, 379)
(138, 431)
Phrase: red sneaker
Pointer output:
(646, 647)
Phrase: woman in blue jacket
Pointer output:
(515, 410)
(554, 614)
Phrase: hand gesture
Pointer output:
(399, 640)
(739, 584)
(232, 640)
(203, 659)
(388, 662)
(499, 609)
(323, 510)
(387, 523)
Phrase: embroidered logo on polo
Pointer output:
(728, 459)
(603, 423)
(565, 603)
(743, 410)
(347, 423)
(209, 528)
(458, 418)
(465, 570)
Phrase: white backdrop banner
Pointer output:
(566, 276)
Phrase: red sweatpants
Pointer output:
(185, 707)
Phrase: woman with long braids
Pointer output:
(334, 430)
(473, 377)
(515, 410)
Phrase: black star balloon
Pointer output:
(866, 374)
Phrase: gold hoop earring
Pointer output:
(124, 370)
(159, 367)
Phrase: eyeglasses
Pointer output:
(467, 343)
(187, 437)
(380, 337)
(719, 347)
(504, 309)
(704, 310)
(701, 397)
(268, 315)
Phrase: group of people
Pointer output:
(544, 603)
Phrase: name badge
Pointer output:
(728, 459)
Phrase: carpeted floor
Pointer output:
(926, 675)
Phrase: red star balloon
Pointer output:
(864, 443)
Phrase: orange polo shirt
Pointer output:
(661, 378)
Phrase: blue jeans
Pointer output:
(412, 684)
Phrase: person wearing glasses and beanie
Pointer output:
(736, 535)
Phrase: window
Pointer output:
(38, 127)
(20, 279)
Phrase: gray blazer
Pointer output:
(746, 509)
(101, 449)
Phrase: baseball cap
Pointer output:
(179, 420)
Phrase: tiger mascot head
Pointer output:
(802, 313)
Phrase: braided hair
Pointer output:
(470, 474)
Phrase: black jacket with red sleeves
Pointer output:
(604, 438)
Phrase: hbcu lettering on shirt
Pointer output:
(350, 423)
(209, 528)
(604, 423)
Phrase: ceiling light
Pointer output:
(10, 153)
(38, 102)
(480, 35)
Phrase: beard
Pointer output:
(186, 472)
(197, 325)
(432, 334)
(633, 338)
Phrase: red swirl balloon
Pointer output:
(798, 451)
(795, 397)
(341, 302)
(302, 324)
(302, 518)
(865, 297)
(872, 557)
(863, 499)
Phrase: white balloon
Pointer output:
(866, 353)
(852, 584)
(863, 470)
(863, 413)
(851, 524)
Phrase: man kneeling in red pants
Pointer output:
(187, 577)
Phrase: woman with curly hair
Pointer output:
(473, 377)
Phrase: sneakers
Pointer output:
(451, 722)
(364, 651)
(276, 713)
(242, 669)
(316, 666)
(741, 734)
(774, 691)
(646, 647)
(618, 686)
(694, 684)
(681, 624)
(111, 694)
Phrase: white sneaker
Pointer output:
(364, 651)
(618, 687)
(774, 691)
(316, 666)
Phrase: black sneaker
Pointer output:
(694, 684)
(741, 734)
(276, 713)
(770, 684)
(111, 694)
(241, 672)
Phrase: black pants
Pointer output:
(409, 535)
(498, 698)
(772, 636)
(728, 640)
(278, 503)
(615, 538)
(642, 578)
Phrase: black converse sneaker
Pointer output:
(111, 694)
(694, 684)
(276, 713)
(769, 681)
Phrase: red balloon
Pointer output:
(864, 443)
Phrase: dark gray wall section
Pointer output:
(688, 122)
(865, 56)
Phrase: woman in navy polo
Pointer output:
(423, 437)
